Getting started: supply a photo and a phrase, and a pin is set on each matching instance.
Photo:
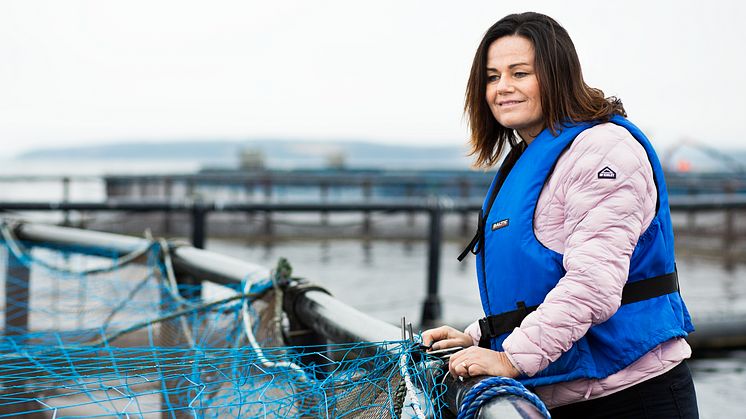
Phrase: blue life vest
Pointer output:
(516, 271)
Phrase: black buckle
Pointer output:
(497, 324)
(484, 327)
(522, 308)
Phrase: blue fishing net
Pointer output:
(115, 336)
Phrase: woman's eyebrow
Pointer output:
(510, 66)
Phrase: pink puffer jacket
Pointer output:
(595, 223)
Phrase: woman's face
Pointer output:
(512, 86)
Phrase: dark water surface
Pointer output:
(387, 279)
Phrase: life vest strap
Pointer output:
(498, 324)
(471, 247)
(476, 240)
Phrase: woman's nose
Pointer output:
(504, 84)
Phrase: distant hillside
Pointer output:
(290, 154)
(276, 153)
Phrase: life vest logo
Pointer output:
(500, 224)
(607, 173)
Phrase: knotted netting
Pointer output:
(96, 334)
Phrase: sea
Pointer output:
(387, 278)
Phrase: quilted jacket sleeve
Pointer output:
(601, 217)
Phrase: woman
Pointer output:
(574, 246)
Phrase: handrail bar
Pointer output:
(65, 237)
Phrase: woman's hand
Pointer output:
(445, 337)
(475, 361)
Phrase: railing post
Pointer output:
(411, 215)
(17, 277)
(367, 193)
(66, 199)
(268, 228)
(466, 223)
(110, 187)
(167, 195)
(191, 189)
(324, 195)
(431, 308)
(729, 232)
(199, 217)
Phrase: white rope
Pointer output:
(246, 316)
(413, 400)
(171, 285)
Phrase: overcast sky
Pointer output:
(90, 72)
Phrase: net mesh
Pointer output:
(111, 336)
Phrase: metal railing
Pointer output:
(431, 310)
(330, 319)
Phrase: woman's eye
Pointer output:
(520, 74)
(492, 77)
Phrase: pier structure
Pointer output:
(728, 244)
(391, 205)
(703, 224)
(704, 227)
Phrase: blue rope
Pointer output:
(489, 388)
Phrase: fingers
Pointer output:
(459, 357)
(447, 343)
(482, 361)
(459, 369)
(463, 368)
(458, 364)
(444, 337)
(430, 337)
(471, 362)
(435, 335)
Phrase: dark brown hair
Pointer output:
(564, 94)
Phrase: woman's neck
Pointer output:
(526, 135)
(520, 134)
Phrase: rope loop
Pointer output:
(492, 387)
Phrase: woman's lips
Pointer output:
(507, 103)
